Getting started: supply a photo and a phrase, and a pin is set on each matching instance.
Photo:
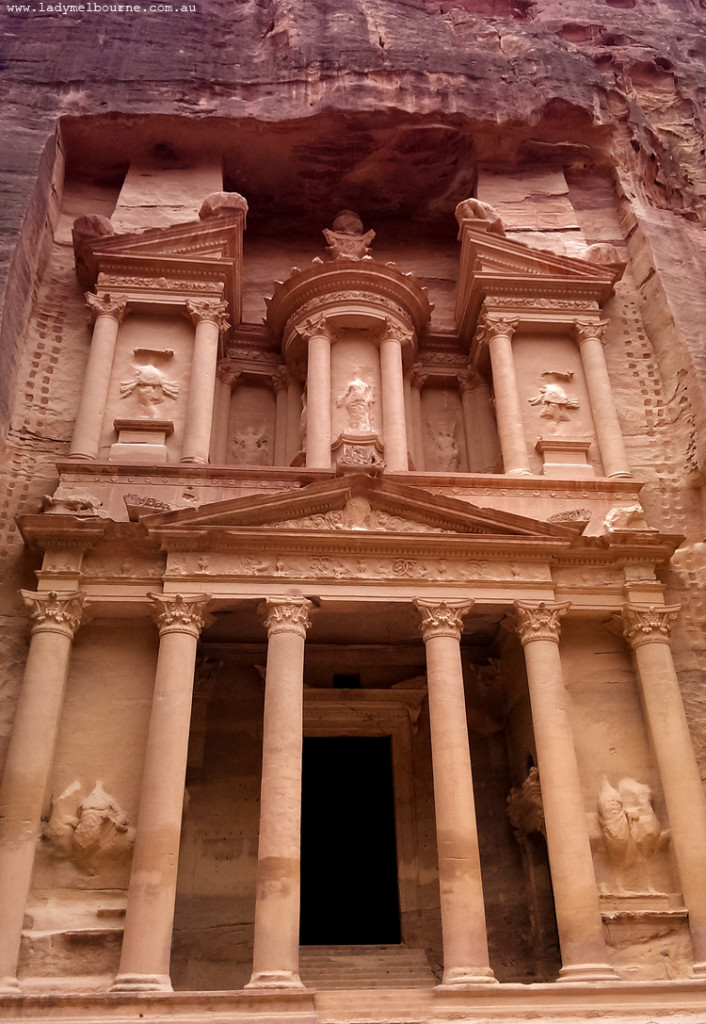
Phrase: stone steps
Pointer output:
(361, 967)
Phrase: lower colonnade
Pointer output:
(180, 618)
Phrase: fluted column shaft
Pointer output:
(465, 942)
(578, 915)
(210, 319)
(498, 334)
(147, 939)
(276, 947)
(600, 395)
(394, 423)
(55, 619)
(318, 392)
(108, 312)
(648, 632)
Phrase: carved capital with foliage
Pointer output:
(393, 332)
(280, 379)
(494, 325)
(442, 618)
(469, 380)
(210, 311)
(55, 611)
(647, 625)
(114, 306)
(590, 330)
(538, 621)
(287, 615)
(315, 327)
(176, 613)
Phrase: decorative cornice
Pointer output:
(55, 611)
(442, 618)
(288, 615)
(114, 306)
(176, 613)
(208, 311)
(647, 625)
(538, 621)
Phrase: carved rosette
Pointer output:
(647, 625)
(175, 613)
(442, 618)
(55, 611)
(494, 326)
(590, 330)
(539, 621)
(114, 306)
(288, 615)
(210, 311)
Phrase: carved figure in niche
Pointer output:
(358, 399)
(553, 400)
(345, 237)
(525, 808)
(251, 447)
(631, 831)
(443, 438)
(149, 387)
(89, 829)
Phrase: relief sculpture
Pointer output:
(88, 829)
(149, 388)
(357, 398)
(552, 399)
(444, 446)
(631, 833)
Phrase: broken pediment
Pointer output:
(356, 504)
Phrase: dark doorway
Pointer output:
(349, 859)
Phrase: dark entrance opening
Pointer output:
(349, 858)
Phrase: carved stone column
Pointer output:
(144, 961)
(417, 381)
(55, 618)
(462, 908)
(497, 332)
(210, 319)
(648, 633)
(294, 417)
(478, 424)
(279, 382)
(108, 312)
(393, 412)
(578, 914)
(318, 391)
(600, 395)
(226, 379)
(276, 947)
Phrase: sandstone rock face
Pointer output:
(568, 139)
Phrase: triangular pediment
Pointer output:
(354, 504)
(215, 238)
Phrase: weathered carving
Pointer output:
(444, 446)
(442, 618)
(288, 615)
(394, 332)
(210, 310)
(647, 625)
(88, 829)
(222, 202)
(525, 808)
(251, 447)
(571, 515)
(493, 325)
(475, 210)
(63, 502)
(140, 501)
(553, 400)
(106, 304)
(176, 613)
(587, 330)
(630, 830)
(357, 451)
(346, 239)
(538, 621)
(625, 517)
(56, 611)
(358, 398)
(470, 380)
(149, 387)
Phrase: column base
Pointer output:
(275, 979)
(142, 983)
(458, 976)
(9, 985)
(518, 472)
(193, 460)
(699, 969)
(80, 457)
(588, 972)
(621, 474)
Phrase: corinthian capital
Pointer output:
(469, 380)
(590, 330)
(287, 615)
(538, 621)
(175, 613)
(55, 611)
(647, 625)
(211, 311)
(106, 304)
(495, 325)
(394, 332)
(442, 618)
